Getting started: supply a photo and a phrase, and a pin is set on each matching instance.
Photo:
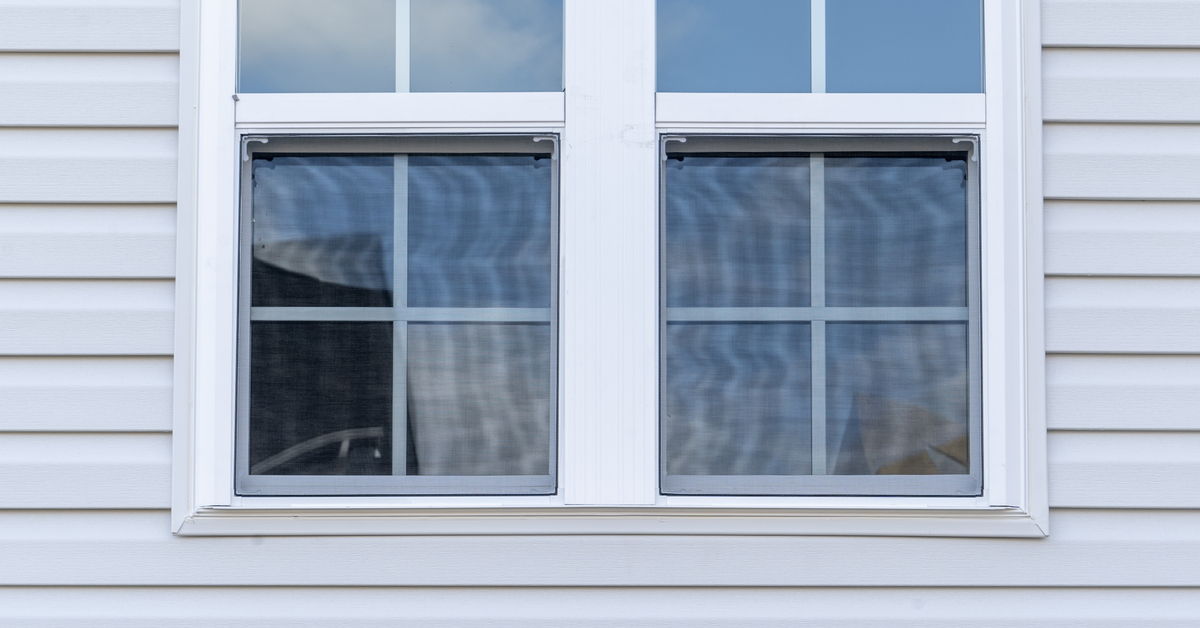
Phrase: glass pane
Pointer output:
(317, 46)
(322, 231)
(752, 46)
(351, 46)
(892, 46)
(320, 398)
(479, 231)
(737, 399)
(737, 232)
(486, 45)
(480, 399)
(897, 398)
(896, 231)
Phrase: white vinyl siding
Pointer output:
(86, 333)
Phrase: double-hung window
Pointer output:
(608, 266)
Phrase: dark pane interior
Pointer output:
(480, 399)
(897, 398)
(479, 231)
(274, 285)
(895, 231)
(737, 231)
(323, 231)
(737, 399)
(320, 398)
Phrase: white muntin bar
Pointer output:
(818, 398)
(816, 228)
(818, 46)
(402, 46)
(400, 282)
(400, 313)
(805, 314)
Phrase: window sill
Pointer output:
(968, 520)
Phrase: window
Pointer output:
(398, 317)
(820, 316)
(608, 266)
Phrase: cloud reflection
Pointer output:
(486, 45)
(310, 46)
(306, 46)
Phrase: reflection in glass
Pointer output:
(320, 398)
(914, 46)
(478, 231)
(306, 46)
(316, 46)
(737, 399)
(486, 45)
(322, 232)
(897, 400)
(734, 46)
(737, 232)
(480, 399)
(896, 231)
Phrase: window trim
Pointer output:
(622, 145)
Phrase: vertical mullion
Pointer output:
(817, 39)
(402, 46)
(816, 227)
(400, 324)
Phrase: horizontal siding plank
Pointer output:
(86, 317)
(89, 90)
(109, 25)
(1121, 85)
(85, 394)
(135, 241)
(1121, 177)
(115, 255)
(1124, 469)
(85, 470)
(91, 332)
(88, 165)
(1123, 100)
(1122, 161)
(1122, 238)
(1086, 548)
(1140, 23)
(592, 608)
(1112, 392)
(83, 180)
(1122, 315)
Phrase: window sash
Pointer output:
(399, 314)
(821, 483)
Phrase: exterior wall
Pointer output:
(88, 105)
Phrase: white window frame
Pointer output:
(610, 121)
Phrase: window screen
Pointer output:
(398, 330)
(820, 327)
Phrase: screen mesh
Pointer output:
(820, 321)
(401, 324)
